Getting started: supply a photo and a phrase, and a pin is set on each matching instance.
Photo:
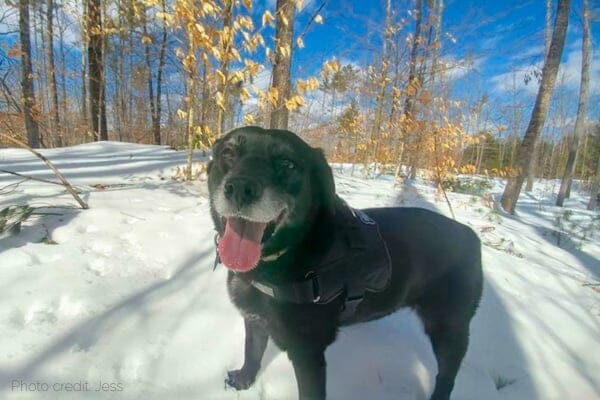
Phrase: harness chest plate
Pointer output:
(357, 262)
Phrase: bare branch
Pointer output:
(50, 165)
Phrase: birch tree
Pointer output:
(28, 91)
(567, 179)
(540, 109)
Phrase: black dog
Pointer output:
(302, 263)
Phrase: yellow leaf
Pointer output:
(244, 95)
(318, 19)
(220, 100)
(146, 39)
(181, 114)
(267, 18)
(249, 119)
(221, 76)
(237, 76)
(273, 96)
(331, 66)
(300, 42)
(284, 51)
(248, 4)
(294, 102)
(208, 8)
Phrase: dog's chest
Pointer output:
(245, 298)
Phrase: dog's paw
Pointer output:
(240, 379)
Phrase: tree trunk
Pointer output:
(284, 33)
(565, 184)
(226, 42)
(147, 42)
(378, 118)
(84, 65)
(161, 66)
(63, 85)
(28, 91)
(96, 71)
(595, 188)
(412, 84)
(540, 109)
(536, 147)
(52, 72)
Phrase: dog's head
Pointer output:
(267, 188)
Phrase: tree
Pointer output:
(28, 91)
(282, 84)
(412, 85)
(595, 192)
(155, 102)
(536, 151)
(540, 109)
(96, 70)
(567, 179)
(52, 72)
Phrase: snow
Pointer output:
(124, 294)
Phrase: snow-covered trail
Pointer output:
(126, 301)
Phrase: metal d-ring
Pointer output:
(315, 285)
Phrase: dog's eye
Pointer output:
(228, 153)
(286, 164)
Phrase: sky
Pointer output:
(502, 41)
(495, 45)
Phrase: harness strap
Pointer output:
(321, 288)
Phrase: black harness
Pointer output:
(357, 262)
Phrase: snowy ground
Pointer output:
(122, 297)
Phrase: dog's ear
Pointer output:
(323, 178)
(214, 149)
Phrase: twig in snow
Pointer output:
(11, 187)
(30, 178)
(50, 165)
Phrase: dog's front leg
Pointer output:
(254, 348)
(309, 367)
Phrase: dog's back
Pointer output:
(435, 261)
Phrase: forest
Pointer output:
(399, 89)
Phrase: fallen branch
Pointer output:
(30, 178)
(50, 165)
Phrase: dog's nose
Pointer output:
(242, 190)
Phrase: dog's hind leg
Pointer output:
(446, 321)
(254, 348)
(449, 346)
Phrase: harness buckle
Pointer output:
(316, 288)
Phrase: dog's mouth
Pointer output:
(241, 245)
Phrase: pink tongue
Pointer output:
(239, 248)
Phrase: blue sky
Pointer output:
(504, 40)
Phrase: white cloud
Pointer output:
(514, 80)
(455, 69)
(532, 52)
(570, 72)
(569, 76)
